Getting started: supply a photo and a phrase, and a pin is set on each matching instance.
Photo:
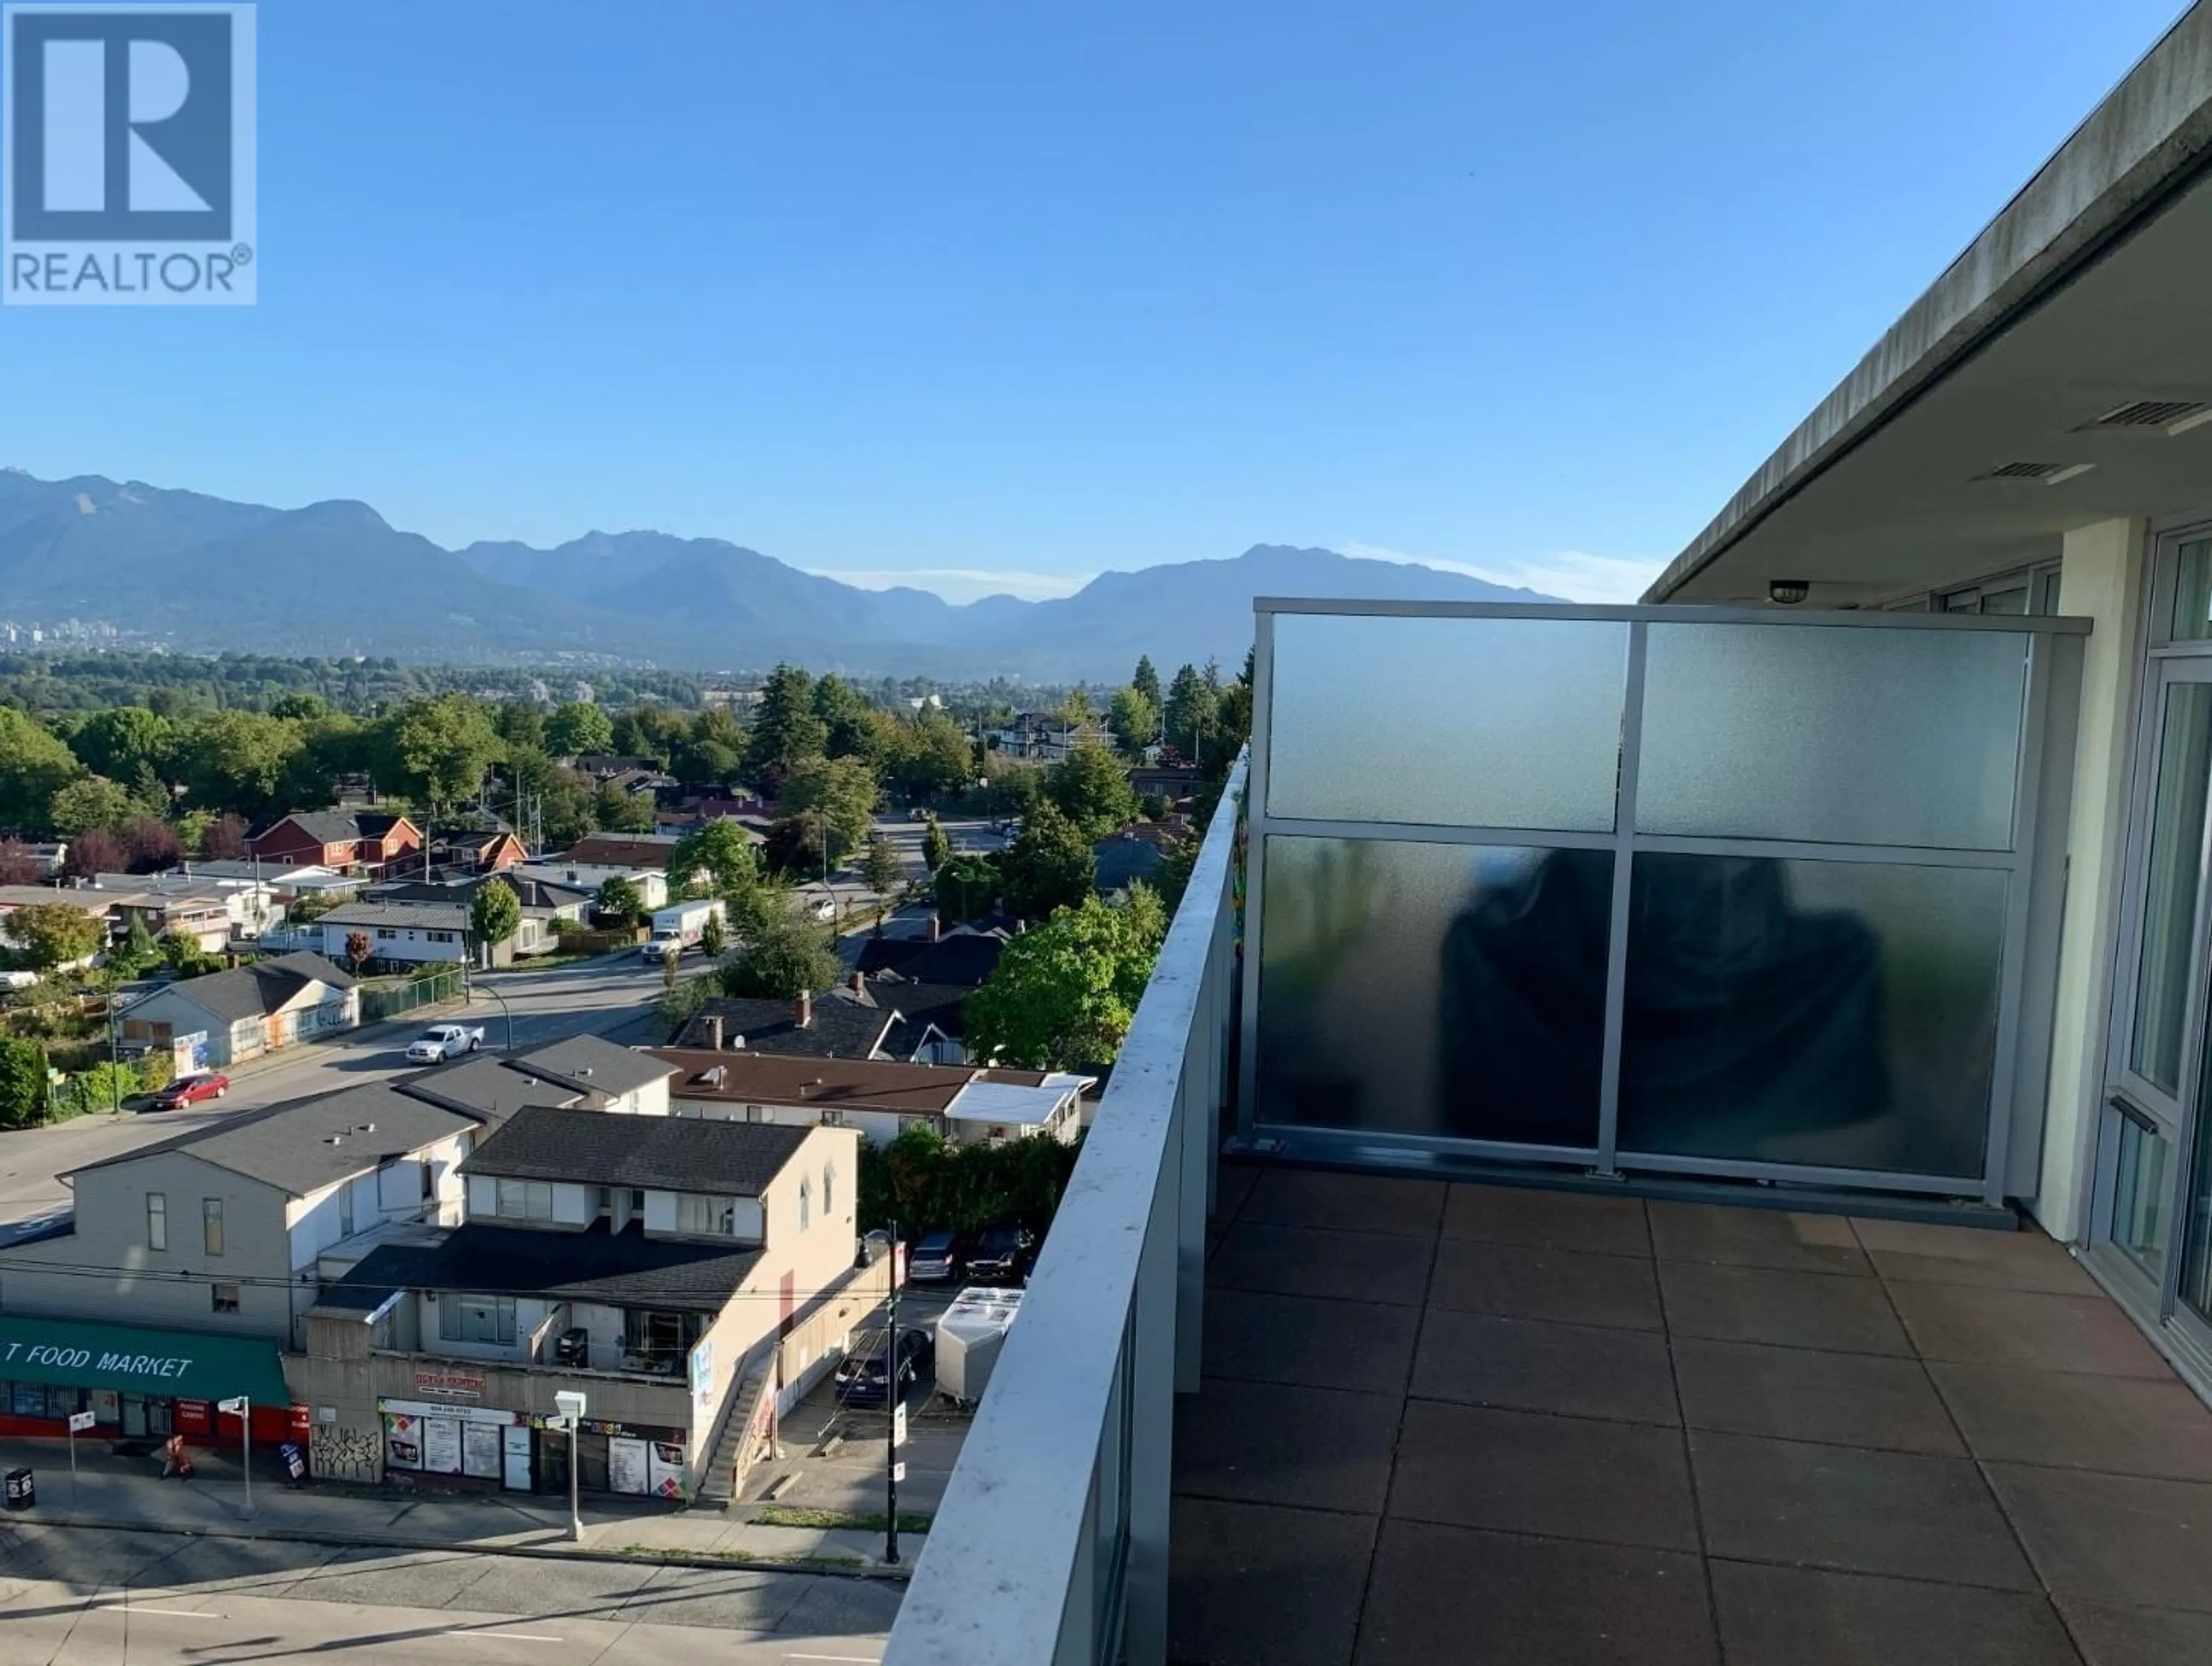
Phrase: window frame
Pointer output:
(157, 1223)
(461, 1313)
(694, 1207)
(212, 1238)
(526, 1195)
(221, 1303)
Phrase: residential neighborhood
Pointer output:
(399, 1274)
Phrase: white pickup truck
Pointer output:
(443, 1041)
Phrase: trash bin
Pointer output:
(23, 1489)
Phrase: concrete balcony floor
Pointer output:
(1455, 1423)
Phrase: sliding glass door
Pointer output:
(2154, 1216)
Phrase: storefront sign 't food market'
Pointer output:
(78, 1359)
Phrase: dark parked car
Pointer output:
(191, 1090)
(1002, 1254)
(938, 1259)
(864, 1374)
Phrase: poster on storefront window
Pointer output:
(402, 1441)
(627, 1470)
(480, 1451)
(664, 1468)
(441, 1446)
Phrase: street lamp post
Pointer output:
(242, 1409)
(571, 1415)
(505, 1011)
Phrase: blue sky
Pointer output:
(999, 293)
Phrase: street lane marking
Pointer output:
(851, 1660)
(506, 1636)
(172, 1613)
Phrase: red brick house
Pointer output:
(477, 850)
(350, 841)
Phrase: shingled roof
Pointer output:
(612, 1148)
(259, 989)
(624, 1268)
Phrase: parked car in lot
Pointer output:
(938, 1259)
(443, 1041)
(192, 1090)
(864, 1375)
(1003, 1254)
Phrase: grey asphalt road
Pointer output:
(92, 1596)
(603, 994)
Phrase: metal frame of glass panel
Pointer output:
(2018, 1072)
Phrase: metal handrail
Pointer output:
(1051, 1543)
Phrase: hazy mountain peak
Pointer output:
(341, 513)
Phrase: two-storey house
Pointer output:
(653, 1264)
(203, 1247)
(348, 841)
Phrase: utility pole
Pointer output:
(894, 1400)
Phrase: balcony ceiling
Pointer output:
(2092, 289)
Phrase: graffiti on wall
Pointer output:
(339, 1454)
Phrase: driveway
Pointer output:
(849, 1476)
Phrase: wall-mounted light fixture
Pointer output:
(1788, 592)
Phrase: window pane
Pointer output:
(211, 1224)
(2192, 591)
(512, 1199)
(157, 1222)
(2141, 1177)
(1434, 989)
(2169, 920)
(541, 1200)
(1829, 1013)
(1501, 723)
(1858, 736)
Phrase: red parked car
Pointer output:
(191, 1090)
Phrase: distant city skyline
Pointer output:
(993, 298)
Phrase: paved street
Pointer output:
(90, 1596)
(904, 837)
(603, 994)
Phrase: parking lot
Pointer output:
(836, 1454)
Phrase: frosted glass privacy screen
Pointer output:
(1498, 722)
(1839, 1014)
(1434, 989)
(1843, 736)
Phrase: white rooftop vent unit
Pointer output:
(2036, 474)
(2164, 416)
(969, 1335)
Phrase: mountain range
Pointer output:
(205, 574)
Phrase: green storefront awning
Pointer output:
(181, 1365)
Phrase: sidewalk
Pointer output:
(127, 1493)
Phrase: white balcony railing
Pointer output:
(1051, 1547)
